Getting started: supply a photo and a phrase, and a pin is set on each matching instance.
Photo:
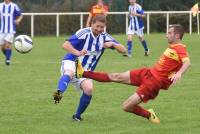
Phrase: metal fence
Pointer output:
(148, 15)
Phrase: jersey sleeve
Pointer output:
(77, 40)
(74, 40)
(140, 10)
(17, 11)
(81, 33)
(129, 9)
(183, 54)
(109, 38)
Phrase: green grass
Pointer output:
(26, 88)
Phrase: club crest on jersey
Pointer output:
(170, 53)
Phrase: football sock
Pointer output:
(141, 111)
(83, 104)
(63, 83)
(98, 76)
(144, 45)
(8, 53)
(129, 47)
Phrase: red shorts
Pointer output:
(148, 86)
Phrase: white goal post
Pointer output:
(147, 13)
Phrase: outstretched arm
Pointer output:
(119, 47)
(176, 77)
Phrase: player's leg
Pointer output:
(123, 77)
(148, 88)
(67, 72)
(130, 34)
(7, 52)
(87, 87)
(7, 47)
(102, 76)
(129, 44)
(131, 105)
(2, 42)
(140, 35)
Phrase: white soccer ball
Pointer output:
(23, 44)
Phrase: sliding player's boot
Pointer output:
(153, 117)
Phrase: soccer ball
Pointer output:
(23, 44)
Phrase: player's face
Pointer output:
(7, 1)
(132, 1)
(100, 2)
(98, 28)
(171, 36)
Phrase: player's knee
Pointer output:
(87, 86)
(88, 91)
(125, 108)
(115, 77)
(69, 73)
(7, 45)
(141, 38)
(129, 38)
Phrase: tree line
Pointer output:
(45, 25)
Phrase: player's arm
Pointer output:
(17, 12)
(105, 10)
(177, 76)
(18, 20)
(137, 14)
(89, 20)
(68, 47)
(119, 47)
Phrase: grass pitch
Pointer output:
(26, 88)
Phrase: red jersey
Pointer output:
(96, 9)
(169, 63)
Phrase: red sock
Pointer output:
(141, 111)
(98, 76)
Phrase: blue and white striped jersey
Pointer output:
(136, 22)
(8, 13)
(84, 39)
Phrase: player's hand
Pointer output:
(17, 21)
(175, 78)
(83, 52)
(133, 14)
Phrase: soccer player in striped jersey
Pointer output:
(136, 27)
(87, 45)
(168, 70)
(10, 17)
